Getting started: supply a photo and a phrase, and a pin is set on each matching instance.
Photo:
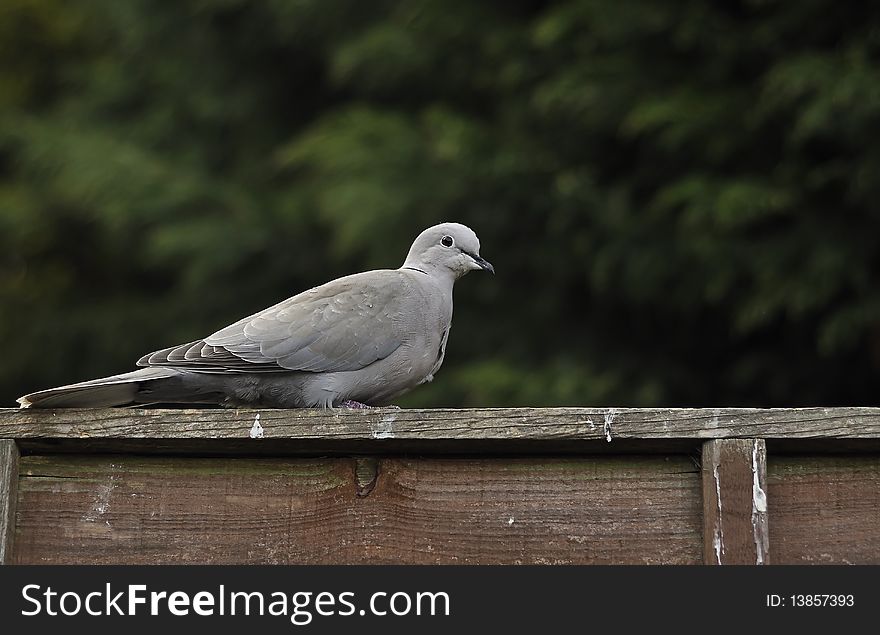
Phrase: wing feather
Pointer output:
(343, 325)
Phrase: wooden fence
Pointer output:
(558, 485)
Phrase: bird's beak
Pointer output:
(485, 265)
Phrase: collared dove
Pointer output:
(359, 340)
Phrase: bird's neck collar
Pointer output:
(414, 268)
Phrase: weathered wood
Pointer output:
(494, 508)
(8, 495)
(125, 509)
(825, 510)
(366, 471)
(735, 529)
(382, 430)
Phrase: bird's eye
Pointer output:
(447, 241)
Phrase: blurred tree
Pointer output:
(677, 196)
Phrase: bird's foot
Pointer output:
(357, 405)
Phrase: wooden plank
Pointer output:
(123, 509)
(383, 430)
(8, 495)
(826, 509)
(735, 528)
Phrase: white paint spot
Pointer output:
(759, 507)
(102, 501)
(384, 428)
(256, 429)
(718, 538)
(610, 414)
(510, 521)
(590, 423)
(759, 496)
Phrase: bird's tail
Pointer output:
(118, 390)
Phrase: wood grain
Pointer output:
(735, 527)
(470, 499)
(8, 495)
(124, 509)
(548, 430)
(825, 510)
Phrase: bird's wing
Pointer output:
(346, 324)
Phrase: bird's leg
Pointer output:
(355, 405)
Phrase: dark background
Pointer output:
(680, 198)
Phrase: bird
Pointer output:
(358, 341)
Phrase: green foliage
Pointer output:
(679, 198)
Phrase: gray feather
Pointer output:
(118, 390)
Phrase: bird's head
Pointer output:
(448, 248)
